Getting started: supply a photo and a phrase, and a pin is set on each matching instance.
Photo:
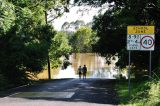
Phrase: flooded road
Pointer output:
(96, 65)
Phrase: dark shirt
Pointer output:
(84, 69)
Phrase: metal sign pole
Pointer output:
(150, 64)
(129, 69)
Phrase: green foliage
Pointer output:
(82, 40)
(154, 94)
(143, 93)
(59, 47)
(156, 73)
(65, 64)
(21, 54)
(111, 28)
(25, 39)
(7, 16)
(109, 33)
(158, 3)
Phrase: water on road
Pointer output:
(96, 65)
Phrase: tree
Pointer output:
(7, 16)
(59, 47)
(24, 38)
(56, 8)
(65, 26)
(73, 26)
(79, 23)
(82, 40)
(111, 29)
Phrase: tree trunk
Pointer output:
(48, 60)
(49, 69)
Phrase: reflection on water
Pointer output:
(66, 73)
(96, 65)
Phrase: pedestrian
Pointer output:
(84, 71)
(80, 71)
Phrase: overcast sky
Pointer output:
(84, 13)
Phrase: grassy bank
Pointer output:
(143, 93)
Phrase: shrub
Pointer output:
(3, 82)
(154, 94)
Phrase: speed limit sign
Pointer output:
(147, 42)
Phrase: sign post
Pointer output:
(150, 65)
(140, 38)
(129, 72)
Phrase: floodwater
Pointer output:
(96, 66)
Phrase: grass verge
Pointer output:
(143, 93)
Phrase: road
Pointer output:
(64, 92)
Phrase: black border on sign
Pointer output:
(144, 46)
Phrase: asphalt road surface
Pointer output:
(64, 92)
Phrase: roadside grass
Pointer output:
(143, 93)
(44, 74)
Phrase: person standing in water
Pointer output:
(84, 71)
(80, 71)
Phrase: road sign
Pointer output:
(140, 38)
(147, 42)
(140, 42)
(140, 30)
(133, 42)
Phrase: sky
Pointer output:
(84, 13)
